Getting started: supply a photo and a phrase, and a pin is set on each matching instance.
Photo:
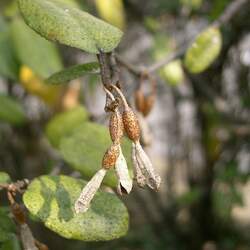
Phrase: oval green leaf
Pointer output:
(73, 72)
(85, 147)
(64, 124)
(205, 49)
(34, 51)
(11, 111)
(51, 199)
(60, 22)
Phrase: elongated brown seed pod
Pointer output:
(116, 127)
(131, 124)
(139, 100)
(148, 104)
(110, 156)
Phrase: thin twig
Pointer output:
(174, 55)
(232, 9)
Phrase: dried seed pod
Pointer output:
(116, 126)
(83, 202)
(148, 104)
(139, 100)
(153, 180)
(131, 124)
(125, 183)
(110, 156)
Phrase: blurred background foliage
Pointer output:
(199, 126)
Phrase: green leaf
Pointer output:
(60, 22)
(173, 72)
(34, 51)
(8, 62)
(11, 244)
(4, 178)
(7, 226)
(203, 52)
(64, 124)
(11, 111)
(85, 147)
(52, 198)
(73, 72)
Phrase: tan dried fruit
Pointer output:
(131, 124)
(116, 127)
(110, 157)
(139, 100)
(148, 104)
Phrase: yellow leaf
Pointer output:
(112, 11)
(35, 86)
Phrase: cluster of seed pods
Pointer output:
(113, 157)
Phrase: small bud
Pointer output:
(88, 192)
(110, 156)
(116, 126)
(125, 182)
(131, 124)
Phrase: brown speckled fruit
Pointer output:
(116, 127)
(131, 124)
(110, 157)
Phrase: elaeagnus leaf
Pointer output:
(73, 72)
(60, 22)
(204, 50)
(51, 199)
(65, 123)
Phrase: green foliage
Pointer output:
(60, 22)
(173, 72)
(73, 72)
(84, 150)
(7, 226)
(4, 178)
(52, 198)
(204, 50)
(190, 197)
(11, 111)
(11, 244)
(64, 124)
(8, 61)
(39, 54)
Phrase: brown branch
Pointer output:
(231, 10)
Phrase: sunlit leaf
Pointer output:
(52, 198)
(36, 86)
(60, 22)
(173, 72)
(73, 72)
(204, 50)
(112, 11)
